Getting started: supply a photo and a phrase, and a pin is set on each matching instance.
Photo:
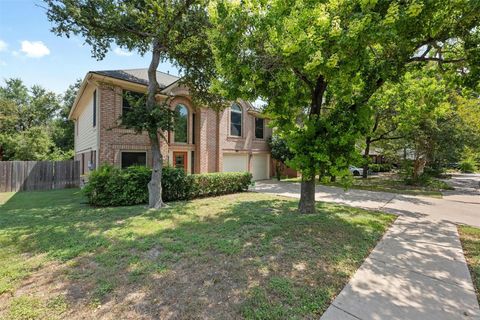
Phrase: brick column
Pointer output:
(202, 140)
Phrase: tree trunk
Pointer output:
(366, 157)
(307, 189)
(155, 185)
(418, 167)
(278, 169)
(307, 196)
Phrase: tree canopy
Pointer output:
(317, 64)
(34, 123)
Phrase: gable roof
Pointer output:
(139, 76)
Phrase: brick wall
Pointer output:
(247, 143)
(212, 134)
(113, 139)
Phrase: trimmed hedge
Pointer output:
(383, 167)
(111, 186)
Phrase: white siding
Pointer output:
(86, 134)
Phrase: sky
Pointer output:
(29, 51)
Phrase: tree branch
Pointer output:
(440, 60)
(303, 77)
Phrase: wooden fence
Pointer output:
(38, 175)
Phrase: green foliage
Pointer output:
(382, 167)
(279, 149)
(112, 186)
(176, 184)
(32, 144)
(468, 164)
(434, 117)
(63, 129)
(280, 152)
(218, 183)
(317, 64)
(34, 123)
(141, 119)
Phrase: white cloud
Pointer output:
(34, 49)
(3, 46)
(3, 63)
(122, 52)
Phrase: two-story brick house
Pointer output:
(204, 140)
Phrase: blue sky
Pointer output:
(29, 51)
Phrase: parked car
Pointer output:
(355, 171)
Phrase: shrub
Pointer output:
(176, 185)
(213, 184)
(381, 167)
(111, 186)
(468, 165)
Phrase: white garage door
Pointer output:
(233, 162)
(260, 166)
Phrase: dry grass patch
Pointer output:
(246, 255)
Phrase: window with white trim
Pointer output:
(181, 124)
(236, 120)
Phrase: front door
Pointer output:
(180, 160)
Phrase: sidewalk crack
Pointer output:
(386, 203)
(351, 314)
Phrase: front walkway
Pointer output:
(417, 271)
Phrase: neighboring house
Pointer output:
(234, 139)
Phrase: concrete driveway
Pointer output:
(461, 205)
(418, 270)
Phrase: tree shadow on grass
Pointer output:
(245, 255)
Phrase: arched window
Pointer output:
(236, 120)
(181, 124)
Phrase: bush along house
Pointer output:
(232, 140)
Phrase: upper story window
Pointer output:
(236, 120)
(259, 128)
(95, 108)
(128, 98)
(181, 124)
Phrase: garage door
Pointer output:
(260, 166)
(233, 162)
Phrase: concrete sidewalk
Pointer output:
(451, 209)
(417, 271)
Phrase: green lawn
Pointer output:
(391, 184)
(470, 238)
(247, 255)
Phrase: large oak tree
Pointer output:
(317, 63)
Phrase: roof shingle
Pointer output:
(139, 76)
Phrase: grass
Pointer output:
(392, 184)
(470, 238)
(247, 255)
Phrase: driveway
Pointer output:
(461, 205)
(418, 270)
